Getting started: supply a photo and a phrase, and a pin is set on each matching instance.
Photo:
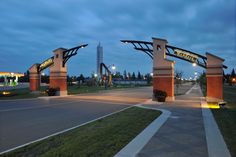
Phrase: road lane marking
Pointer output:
(190, 90)
(58, 104)
(63, 131)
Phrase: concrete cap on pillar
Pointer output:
(153, 38)
(60, 48)
(207, 53)
(34, 67)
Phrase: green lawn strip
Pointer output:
(24, 93)
(93, 89)
(104, 137)
(226, 119)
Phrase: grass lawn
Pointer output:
(93, 89)
(22, 93)
(102, 138)
(226, 118)
(25, 92)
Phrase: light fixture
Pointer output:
(194, 64)
(113, 67)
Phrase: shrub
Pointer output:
(52, 91)
(159, 95)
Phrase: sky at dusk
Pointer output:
(31, 29)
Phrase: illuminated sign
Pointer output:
(186, 55)
(46, 64)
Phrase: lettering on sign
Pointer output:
(46, 64)
(186, 55)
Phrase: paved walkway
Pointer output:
(183, 133)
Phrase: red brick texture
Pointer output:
(34, 84)
(165, 84)
(215, 87)
(58, 83)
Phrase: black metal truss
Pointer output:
(147, 47)
(106, 69)
(66, 56)
(144, 46)
(71, 52)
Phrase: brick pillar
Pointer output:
(214, 74)
(58, 73)
(34, 78)
(163, 69)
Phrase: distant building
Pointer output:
(99, 58)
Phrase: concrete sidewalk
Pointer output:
(183, 134)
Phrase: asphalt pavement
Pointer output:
(23, 121)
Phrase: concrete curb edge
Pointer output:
(136, 145)
(215, 142)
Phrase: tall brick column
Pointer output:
(58, 73)
(163, 69)
(214, 74)
(34, 78)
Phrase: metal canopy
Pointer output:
(106, 69)
(147, 47)
(66, 56)
(71, 52)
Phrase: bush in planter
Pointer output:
(52, 91)
(160, 95)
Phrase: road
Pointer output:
(23, 121)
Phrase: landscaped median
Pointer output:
(24, 93)
(104, 137)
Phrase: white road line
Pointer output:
(36, 107)
(45, 106)
(63, 131)
(190, 90)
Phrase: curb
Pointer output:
(137, 144)
(215, 142)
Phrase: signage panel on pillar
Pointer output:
(185, 55)
(46, 64)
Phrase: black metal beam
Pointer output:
(71, 52)
(200, 61)
(45, 64)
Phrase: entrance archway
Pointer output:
(163, 69)
(58, 70)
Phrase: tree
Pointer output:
(80, 78)
(233, 73)
(129, 75)
(133, 77)
(124, 75)
(149, 78)
(139, 76)
(178, 81)
(232, 77)
(202, 81)
(69, 80)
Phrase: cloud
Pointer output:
(31, 30)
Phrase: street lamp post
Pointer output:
(110, 76)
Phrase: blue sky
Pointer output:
(31, 29)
